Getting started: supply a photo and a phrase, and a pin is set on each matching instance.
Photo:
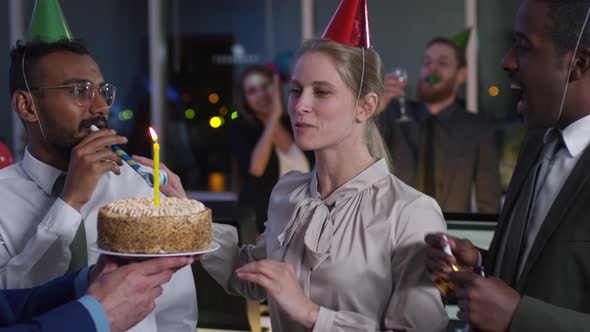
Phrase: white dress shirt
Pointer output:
(36, 230)
(576, 139)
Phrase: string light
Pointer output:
(216, 122)
(493, 91)
(213, 98)
(190, 113)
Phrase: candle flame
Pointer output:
(154, 135)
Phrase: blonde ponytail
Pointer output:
(375, 143)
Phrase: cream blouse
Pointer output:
(361, 261)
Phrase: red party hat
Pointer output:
(350, 24)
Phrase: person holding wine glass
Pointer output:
(401, 75)
(394, 87)
(437, 146)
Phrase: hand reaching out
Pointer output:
(392, 88)
(281, 284)
(127, 293)
(107, 263)
(277, 102)
(174, 186)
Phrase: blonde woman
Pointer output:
(343, 246)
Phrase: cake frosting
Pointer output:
(137, 226)
(144, 207)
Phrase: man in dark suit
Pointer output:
(442, 150)
(118, 298)
(539, 255)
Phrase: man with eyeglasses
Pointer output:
(50, 199)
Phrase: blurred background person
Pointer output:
(437, 146)
(261, 140)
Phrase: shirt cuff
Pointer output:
(325, 320)
(96, 312)
(81, 282)
(62, 219)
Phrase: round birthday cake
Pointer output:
(136, 225)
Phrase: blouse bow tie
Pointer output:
(318, 236)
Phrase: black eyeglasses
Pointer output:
(84, 92)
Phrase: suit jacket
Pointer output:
(466, 156)
(50, 307)
(555, 280)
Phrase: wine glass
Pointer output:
(402, 76)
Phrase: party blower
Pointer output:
(147, 173)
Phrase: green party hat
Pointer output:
(462, 38)
(48, 23)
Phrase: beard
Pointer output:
(428, 93)
(62, 140)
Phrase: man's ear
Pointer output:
(461, 76)
(367, 106)
(581, 64)
(22, 102)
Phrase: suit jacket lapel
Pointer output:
(528, 156)
(567, 195)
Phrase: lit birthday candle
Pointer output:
(156, 167)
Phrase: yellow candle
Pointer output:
(156, 167)
(156, 174)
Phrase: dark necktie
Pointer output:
(78, 247)
(521, 214)
(429, 164)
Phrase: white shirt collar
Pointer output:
(575, 136)
(43, 174)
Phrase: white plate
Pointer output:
(212, 247)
